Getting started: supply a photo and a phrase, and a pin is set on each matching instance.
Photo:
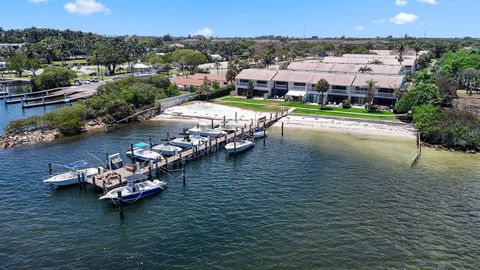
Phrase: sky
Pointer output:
(249, 18)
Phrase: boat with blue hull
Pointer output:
(138, 187)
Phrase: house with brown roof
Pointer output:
(196, 80)
(301, 85)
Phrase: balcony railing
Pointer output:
(261, 85)
(384, 94)
(359, 92)
(300, 88)
(281, 86)
(338, 91)
(241, 84)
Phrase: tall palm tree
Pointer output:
(268, 59)
(216, 65)
(371, 86)
(322, 87)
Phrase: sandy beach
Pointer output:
(203, 112)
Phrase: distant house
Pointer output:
(177, 45)
(140, 68)
(217, 57)
(11, 46)
(197, 80)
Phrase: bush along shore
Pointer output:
(112, 102)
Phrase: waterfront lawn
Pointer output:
(71, 62)
(345, 114)
(302, 108)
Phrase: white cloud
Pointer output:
(379, 21)
(404, 18)
(431, 2)
(400, 2)
(86, 7)
(37, 1)
(359, 28)
(206, 32)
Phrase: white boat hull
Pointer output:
(168, 150)
(239, 146)
(70, 178)
(259, 134)
(133, 192)
(189, 143)
(144, 154)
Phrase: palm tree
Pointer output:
(371, 86)
(365, 69)
(216, 65)
(268, 59)
(322, 87)
(398, 92)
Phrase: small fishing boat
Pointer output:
(141, 151)
(137, 187)
(188, 141)
(204, 131)
(166, 149)
(71, 177)
(239, 146)
(259, 133)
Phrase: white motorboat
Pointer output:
(239, 146)
(166, 149)
(188, 141)
(71, 177)
(206, 132)
(259, 133)
(141, 152)
(137, 187)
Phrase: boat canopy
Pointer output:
(76, 164)
(136, 177)
(294, 93)
(140, 144)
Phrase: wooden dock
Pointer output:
(157, 167)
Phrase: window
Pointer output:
(281, 83)
(243, 81)
(339, 87)
(261, 82)
(298, 84)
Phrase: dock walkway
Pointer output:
(166, 163)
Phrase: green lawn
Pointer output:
(302, 108)
(71, 62)
(345, 114)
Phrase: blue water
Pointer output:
(308, 200)
(14, 111)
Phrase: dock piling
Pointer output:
(133, 155)
(264, 133)
(235, 117)
(212, 122)
(150, 141)
(183, 173)
(224, 121)
(50, 168)
(120, 206)
(282, 130)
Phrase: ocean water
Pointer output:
(308, 200)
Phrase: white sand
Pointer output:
(203, 112)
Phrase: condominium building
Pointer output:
(301, 85)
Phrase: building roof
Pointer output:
(383, 81)
(256, 74)
(210, 77)
(292, 76)
(197, 79)
(358, 60)
(332, 78)
(324, 67)
(302, 66)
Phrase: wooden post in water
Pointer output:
(168, 136)
(224, 121)
(264, 133)
(150, 171)
(216, 144)
(183, 173)
(212, 122)
(79, 181)
(50, 168)
(235, 117)
(120, 206)
(133, 156)
(150, 142)
(282, 129)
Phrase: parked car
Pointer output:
(93, 79)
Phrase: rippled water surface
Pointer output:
(308, 200)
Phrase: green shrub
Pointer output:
(426, 119)
(346, 104)
(423, 93)
(69, 120)
(27, 124)
(53, 77)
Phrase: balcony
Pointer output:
(238, 83)
(281, 86)
(338, 91)
(359, 92)
(299, 88)
(263, 85)
(384, 95)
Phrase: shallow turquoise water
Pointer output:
(308, 200)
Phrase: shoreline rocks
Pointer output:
(28, 138)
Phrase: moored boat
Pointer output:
(71, 177)
(206, 132)
(259, 133)
(188, 141)
(239, 146)
(166, 149)
(141, 151)
(137, 187)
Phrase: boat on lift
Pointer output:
(167, 149)
(137, 187)
(259, 133)
(71, 176)
(141, 151)
(239, 146)
(188, 141)
(205, 131)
